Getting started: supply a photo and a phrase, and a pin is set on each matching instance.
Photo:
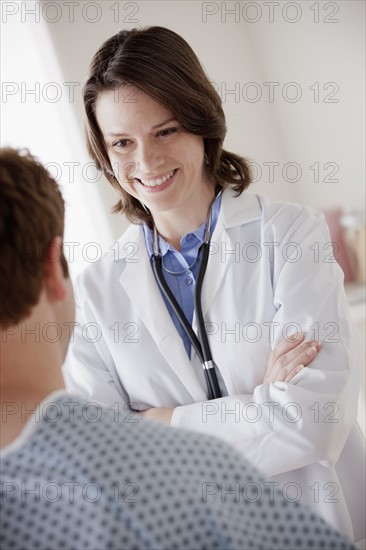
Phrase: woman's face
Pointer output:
(153, 157)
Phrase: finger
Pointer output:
(294, 337)
(310, 351)
(284, 346)
(308, 355)
(291, 359)
(293, 373)
(145, 413)
(303, 353)
(281, 369)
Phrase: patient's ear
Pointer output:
(53, 275)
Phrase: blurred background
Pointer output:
(290, 75)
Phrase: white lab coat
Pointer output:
(270, 270)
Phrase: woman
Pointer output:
(156, 127)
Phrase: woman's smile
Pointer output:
(160, 183)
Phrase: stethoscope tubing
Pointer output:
(200, 343)
(213, 384)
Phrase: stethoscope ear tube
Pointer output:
(158, 271)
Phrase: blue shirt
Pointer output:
(186, 265)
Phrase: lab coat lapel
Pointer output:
(217, 265)
(235, 211)
(225, 248)
(139, 283)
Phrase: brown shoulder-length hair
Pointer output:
(161, 63)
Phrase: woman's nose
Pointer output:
(148, 158)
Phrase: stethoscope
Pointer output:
(199, 341)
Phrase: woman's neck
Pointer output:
(174, 224)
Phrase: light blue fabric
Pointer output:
(90, 478)
(183, 285)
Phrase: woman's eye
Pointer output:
(168, 131)
(120, 143)
(123, 143)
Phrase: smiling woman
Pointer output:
(183, 351)
(161, 168)
(155, 73)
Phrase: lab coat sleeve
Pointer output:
(284, 426)
(89, 370)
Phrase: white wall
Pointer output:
(329, 128)
(255, 43)
(36, 114)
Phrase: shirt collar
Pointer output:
(199, 233)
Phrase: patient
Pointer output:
(74, 475)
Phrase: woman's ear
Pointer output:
(53, 275)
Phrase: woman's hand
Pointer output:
(289, 357)
(160, 414)
(285, 360)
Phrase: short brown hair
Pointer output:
(162, 64)
(31, 215)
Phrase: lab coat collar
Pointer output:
(138, 277)
(234, 211)
(239, 210)
(139, 280)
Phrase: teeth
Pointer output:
(159, 181)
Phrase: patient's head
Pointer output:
(33, 268)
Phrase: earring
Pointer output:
(206, 159)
